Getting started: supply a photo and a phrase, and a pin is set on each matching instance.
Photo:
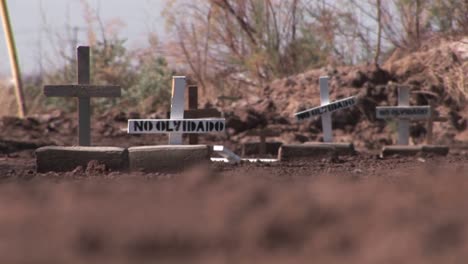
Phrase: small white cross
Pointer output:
(326, 109)
(404, 113)
(177, 125)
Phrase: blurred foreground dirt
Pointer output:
(351, 210)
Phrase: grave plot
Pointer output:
(59, 158)
(175, 155)
(405, 113)
(325, 110)
(262, 147)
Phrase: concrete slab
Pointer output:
(435, 150)
(388, 151)
(253, 148)
(60, 159)
(342, 149)
(167, 158)
(415, 150)
(301, 151)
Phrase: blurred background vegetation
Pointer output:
(233, 47)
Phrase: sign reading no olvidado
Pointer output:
(404, 112)
(328, 108)
(185, 126)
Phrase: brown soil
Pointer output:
(351, 210)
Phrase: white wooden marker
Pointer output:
(326, 109)
(177, 106)
(176, 125)
(404, 113)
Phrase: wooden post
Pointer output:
(193, 105)
(430, 123)
(84, 106)
(15, 69)
(262, 141)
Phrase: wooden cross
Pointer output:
(435, 117)
(83, 91)
(263, 133)
(194, 112)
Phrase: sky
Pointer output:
(33, 19)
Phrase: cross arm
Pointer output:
(266, 132)
(77, 90)
(202, 113)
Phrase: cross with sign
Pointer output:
(176, 125)
(404, 113)
(326, 109)
(194, 112)
(84, 92)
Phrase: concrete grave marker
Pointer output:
(326, 109)
(84, 92)
(262, 147)
(60, 158)
(404, 113)
(176, 125)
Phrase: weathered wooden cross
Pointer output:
(194, 112)
(435, 117)
(84, 92)
(326, 109)
(177, 124)
(262, 133)
(404, 113)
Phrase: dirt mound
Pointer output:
(437, 75)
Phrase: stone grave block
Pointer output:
(68, 158)
(405, 113)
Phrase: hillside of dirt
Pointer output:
(438, 74)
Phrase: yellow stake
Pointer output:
(13, 58)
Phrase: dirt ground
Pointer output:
(358, 209)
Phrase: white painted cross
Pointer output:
(326, 109)
(404, 113)
(176, 125)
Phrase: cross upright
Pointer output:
(194, 112)
(326, 117)
(84, 91)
